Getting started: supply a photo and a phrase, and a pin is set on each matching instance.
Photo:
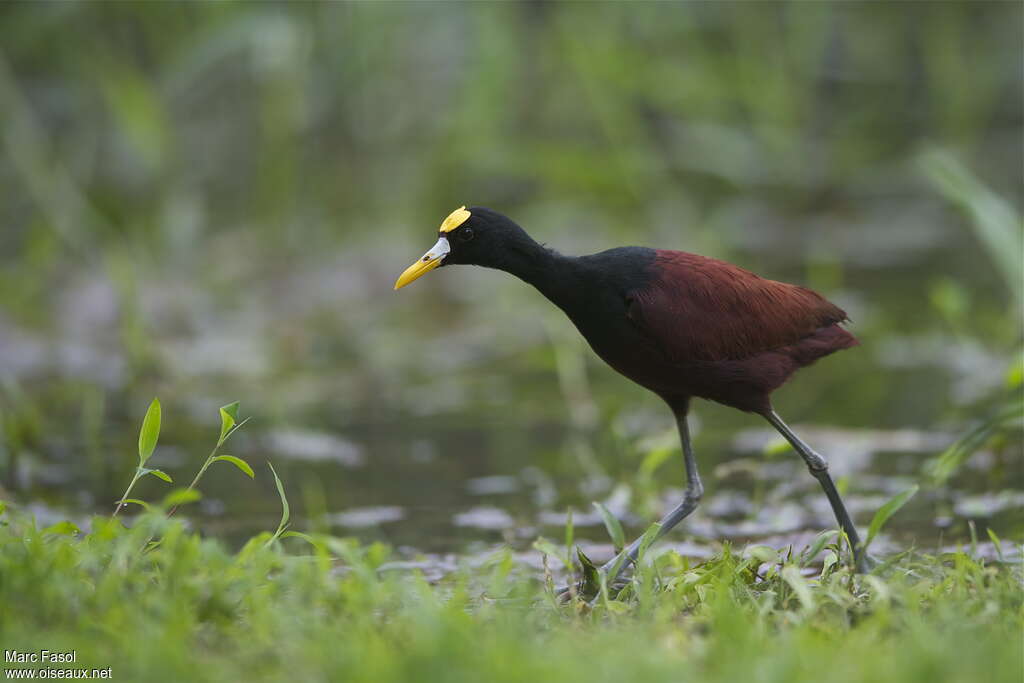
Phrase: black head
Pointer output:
(475, 236)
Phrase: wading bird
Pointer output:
(679, 324)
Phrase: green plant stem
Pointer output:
(209, 460)
(120, 503)
(199, 474)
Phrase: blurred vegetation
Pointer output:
(190, 610)
(207, 201)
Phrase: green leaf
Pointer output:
(548, 548)
(305, 537)
(181, 497)
(996, 542)
(591, 580)
(995, 221)
(150, 432)
(232, 410)
(887, 511)
(228, 418)
(613, 526)
(802, 589)
(64, 528)
(1004, 419)
(776, 447)
(160, 474)
(763, 554)
(237, 462)
(136, 501)
(819, 542)
(3, 507)
(285, 511)
(1015, 373)
(569, 533)
(649, 537)
(831, 559)
(654, 458)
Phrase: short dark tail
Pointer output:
(824, 341)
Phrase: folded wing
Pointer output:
(702, 309)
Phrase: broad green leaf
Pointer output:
(150, 432)
(64, 528)
(237, 462)
(136, 501)
(613, 526)
(160, 474)
(181, 497)
(887, 511)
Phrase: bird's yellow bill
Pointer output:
(432, 259)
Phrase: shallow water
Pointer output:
(446, 420)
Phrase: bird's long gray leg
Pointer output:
(819, 468)
(694, 491)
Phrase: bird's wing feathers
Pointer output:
(698, 308)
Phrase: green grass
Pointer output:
(188, 609)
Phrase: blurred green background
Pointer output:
(209, 202)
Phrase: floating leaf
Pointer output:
(150, 432)
(887, 511)
(181, 497)
(613, 526)
(237, 462)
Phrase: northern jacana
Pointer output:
(679, 324)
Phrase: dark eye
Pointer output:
(466, 234)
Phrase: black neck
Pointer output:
(547, 270)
